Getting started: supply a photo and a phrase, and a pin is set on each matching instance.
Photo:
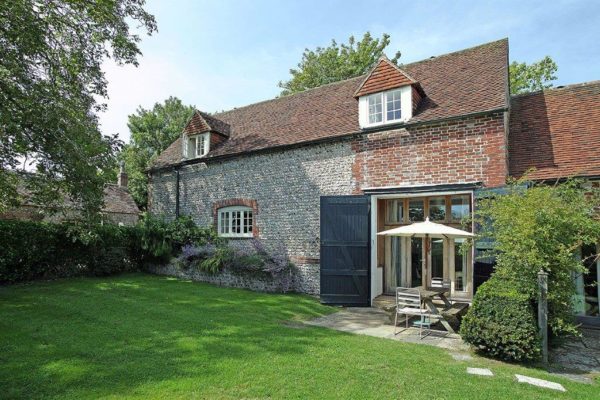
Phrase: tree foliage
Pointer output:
(51, 83)
(152, 131)
(542, 228)
(526, 78)
(336, 62)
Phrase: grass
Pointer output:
(142, 336)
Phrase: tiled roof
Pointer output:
(117, 199)
(384, 76)
(468, 81)
(203, 122)
(557, 132)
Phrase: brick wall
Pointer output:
(284, 187)
(467, 150)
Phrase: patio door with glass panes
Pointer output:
(405, 257)
(404, 263)
(587, 300)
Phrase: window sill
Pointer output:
(237, 237)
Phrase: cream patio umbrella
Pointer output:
(427, 229)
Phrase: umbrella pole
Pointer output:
(425, 261)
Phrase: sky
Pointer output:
(221, 54)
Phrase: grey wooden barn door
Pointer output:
(345, 250)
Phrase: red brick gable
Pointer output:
(384, 76)
(557, 132)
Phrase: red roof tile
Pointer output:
(384, 76)
(468, 81)
(557, 132)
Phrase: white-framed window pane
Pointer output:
(375, 108)
(224, 221)
(191, 149)
(393, 105)
(235, 221)
(200, 146)
(248, 222)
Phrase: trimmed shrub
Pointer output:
(39, 250)
(501, 323)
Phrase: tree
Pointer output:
(542, 228)
(335, 63)
(51, 88)
(152, 131)
(529, 78)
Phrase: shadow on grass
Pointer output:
(108, 336)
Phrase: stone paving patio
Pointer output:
(573, 360)
(375, 322)
(581, 354)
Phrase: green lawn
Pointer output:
(141, 336)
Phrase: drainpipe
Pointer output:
(177, 193)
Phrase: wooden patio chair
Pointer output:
(442, 283)
(409, 303)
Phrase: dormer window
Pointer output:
(202, 133)
(387, 95)
(198, 145)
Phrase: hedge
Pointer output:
(501, 323)
(38, 250)
(32, 250)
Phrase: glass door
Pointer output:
(394, 266)
(588, 286)
(437, 259)
(416, 262)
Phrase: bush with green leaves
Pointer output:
(502, 322)
(164, 239)
(250, 259)
(257, 259)
(206, 257)
(542, 227)
(39, 250)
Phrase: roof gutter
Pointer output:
(330, 139)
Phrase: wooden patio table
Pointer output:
(428, 294)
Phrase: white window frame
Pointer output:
(226, 214)
(384, 107)
(198, 150)
(405, 93)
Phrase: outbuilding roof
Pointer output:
(556, 131)
(460, 83)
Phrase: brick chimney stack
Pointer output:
(122, 180)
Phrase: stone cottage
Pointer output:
(324, 170)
